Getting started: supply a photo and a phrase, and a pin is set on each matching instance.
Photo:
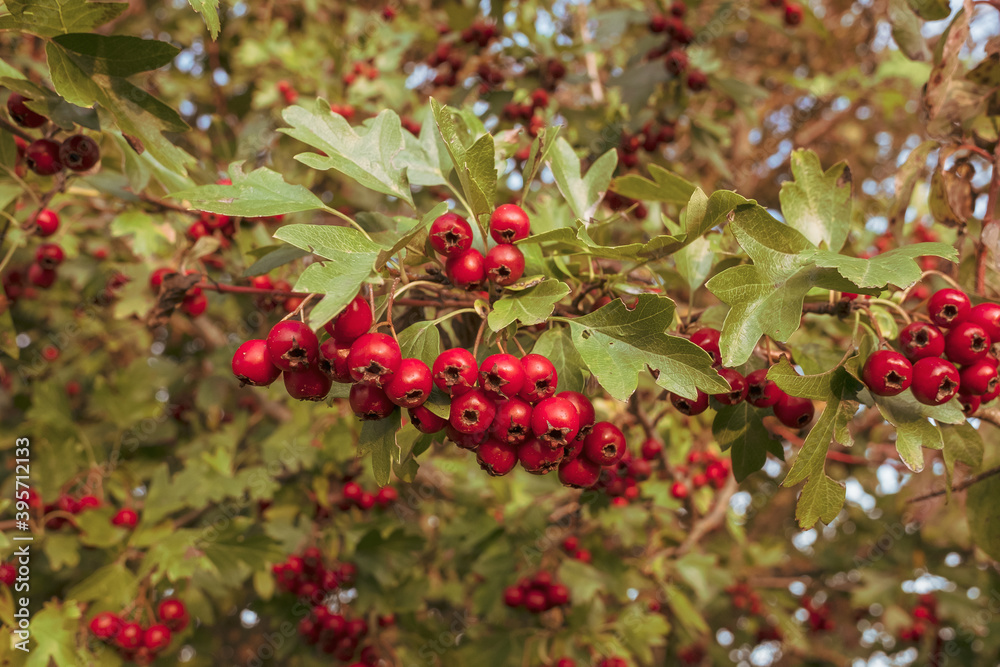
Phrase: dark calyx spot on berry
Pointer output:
(683, 405)
(414, 394)
(992, 384)
(470, 416)
(507, 235)
(452, 375)
(555, 436)
(921, 339)
(495, 382)
(74, 159)
(372, 372)
(949, 312)
(296, 356)
(755, 391)
(734, 395)
(584, 431)
(802, 420)
(371, 415)
(502, 271)
(893, 380)
(451, 239)
(946, 388)
(978, 343)
(608, 450)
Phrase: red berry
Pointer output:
(455, 371)
(411, 385)
(979, 378)
(293, 346)
(472, 412)
(353, 321)
(496, 458)
(47, 222)
(386, 496)
(374, 358)
(509, 223)
(679, 490)
(676, 61)
(571, 544)
(252, 364)
(555, 421)
(935, 381)
(49, 255)
(986, 315)
(688, 406)
(450, 234)
(21, 114)
(501, 376)
(697, 81)
(585, 410)
(651, 449)
(761, 392)
(513, 596)
(738, 384)
(947, 306)
(919, 340)
(708, 340)
(541, 378)
(129, 636)
(658, 23)
(333, 360)
(89, 502)
(504, 264)
(105, 625)
(537, 457)
(369, 402)
(466, 269)
(678, 8)
(194, 304)
(793, 14)
(426, 421)
(156, 638)
(79, 153)
(512, 423)
(469, 441)
(42, 157)
(605, 446)
(887, 373)
(966, 343)
(969, 404)
(794, 412)
(39, 276)
(311, 384)
(173, 614)
(558, 594)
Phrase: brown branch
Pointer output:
(710, 521)
(16, 131)
(982, 251)
(241, 289)
(962, 486)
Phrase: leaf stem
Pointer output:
(453, 313)
(894, 306)
(346, 218)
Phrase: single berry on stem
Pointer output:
(455, 371)
(935, 381)
(293, 346)
(541, 378)
(793, 411)
(509, 223)
(920, 339)
(688, 406)
(555, 422)
(887, 373)
(472, 412)
(374, 358)
(966, 343)
(312, 384)
(504, 265)
(501, 376)
(738, 386)
(252, 364)
(450, 234)
(946, 307)
(411, 384)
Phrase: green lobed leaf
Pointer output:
(472, 153)
(818, 203)
(209, 10)
(410, 234)
(530, 306)
(261, 192)
(741, 427)
(379, 438)
(117, 55)
(421, 341)
(583, 193)
(962, 443)
(54, 630)
(897, 267)
(48, 18)
(666, 186)
(113, 585)
(328, 241)
(276, 255)
(338, 280)
(425, 157)
(913, 430)
(148, 237)
(555, 344)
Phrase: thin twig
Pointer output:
(961, 486)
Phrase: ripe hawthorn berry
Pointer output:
(411, 385)
(690, 407)
(966, 343)
(584, 409)
(501, 376)
(455, 371)
(969, 403)
(793, 14)
(312, 384)
(496, 458)
(512, 423)
(469, 441)
(978, 378)
(49, 255)
(156, 638)
(125, 518)
(920, 339)
(293, 346)
(79, 153)
(466, 269)
(513, 596)
(472, 412)
(173, 614)
(986, 315)
(450, 234)
(761, 392)
(369, 402)
(555, 422)
(509, 222)
(935, 381)
(105, 625)
(793, 411)
(541, 378)
(679, 490)
(504, 264)
(738, 386)
(697, 81)
(887, 373)
(947, 306)
(676, 61)
(47, 222)
(21, 114)
(708, 340)
(374, 358)
(538, 458)
(333, 360)
(605, 445)
(129, 636)
(252, 364)
(195, 303)
(426, 421)
(651, 449)
(39, 276)
(352, 322)
(42, 157)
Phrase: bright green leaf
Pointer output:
(531, 306)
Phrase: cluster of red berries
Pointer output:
(619, 202)
(705, 468)
(136, 643)
(41, 273)
(194, 302)
(649, 139)
(337, 635)
(532, 113)
(621, 481)
(451, 236)
(365, 68)
(679, 36)
(755, 388)
(571, 545)
(269, 302)
(793, 11)
(692, 654)
(819, 616)
(536, 594)
(46, 157)
(924, 614)
(307, 576)
(68, 504)
(352, 495)
(957, 330)
(743, 597)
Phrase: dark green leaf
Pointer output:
(48, 18)
(742, 428)
(379, 438)
(259, 193)
(556, 344)
(666, 186)
(421, 341)
(117, 55)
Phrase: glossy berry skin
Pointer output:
(584, 409)
(794, 412)
(509, 223)
(411, 385)
(650, 449)
(935, 381)
(504, 265)
(513, 596)
(105, 625)
(688, 406)
(679, 490)
(173, 614)
(969, 404)
(47, 222)
(353, 321)
(293, 346)
(496, 458)
(966, 343)
(708, 340)
(39, 276)
(512, 423)
(42, 157)
(979, 378)
(194, 304)
(887, 373)
(426, 421)
(21, 114)
(793, 14)
(472, 412)
(126, 518)
(538, 458)
(333, 360)
(761, 392)
(450, 234)
(920, 339)
(501, 376)
(579, 473)
(738, 384)
(466, 269)
(605, 445)
(540, 378)
(697, 81)
(986, 315)
(555, 422)
(369, 402)
(49, 255)
(311, 384)
(129, 636)
(469, 441)
(252, 364)
(947, 306)
(79, 153)
(455, 371)
(156, 637)
(374, 358)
